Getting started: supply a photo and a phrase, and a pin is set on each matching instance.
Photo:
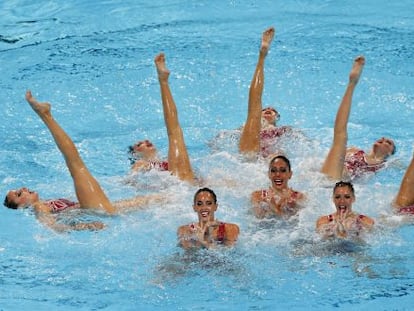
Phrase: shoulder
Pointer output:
(185, 229)
(140, 164)
(325, 219)
(297, 195)
(259, 195)
(365, 219)
(231, 231)
(232, 227)
(353, 150)
(42, 207)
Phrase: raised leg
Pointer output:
(405, 196)
(178, 158)
(88, 190)
(250, 137)
(334, 163)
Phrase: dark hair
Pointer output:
(132, 156)
(395, 148)
(283, 158)
(10, 204)
(205, 190)
(344, 184)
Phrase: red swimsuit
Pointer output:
(273, 132)
(159, 165)
(356, 164)
(406, 210)
(59, 205)
(268, 137)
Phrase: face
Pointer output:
(279, 174)
(205, 206)
(343, 199)
(23, 197)
(384, 146)
(270, 115)
(143, 147)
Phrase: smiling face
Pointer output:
(279, 173)
(21, 198)
(205, 206)
(343, 198)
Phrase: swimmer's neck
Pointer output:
(373, 158)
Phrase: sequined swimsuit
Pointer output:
(159, 165)
(268, 136)
(406, 210)
(356, 164)
(59, 205)
(273, 132)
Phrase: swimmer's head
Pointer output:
(281, 158)
(205, 204)
(384, 147)
(343, 196)
(347, 184)
(279, 172)
(205, 189)
(270, 116)
(20, 198)
(143, 148)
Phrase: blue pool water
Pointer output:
(93, 60)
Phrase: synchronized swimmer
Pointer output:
(342, 164)
(351, 162)
(89, 193)
(208, 232)
(144, 154)
(279, 200)
(260, 129)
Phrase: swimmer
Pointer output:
(144, 157)
(260, 128)
(88, 191)
(350, 162)
(208, 232)
(279, 200)
(344, 223)
(178, 159)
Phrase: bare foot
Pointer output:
(356, 70)
(267, 38)
(162, 70)
(39, 108)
